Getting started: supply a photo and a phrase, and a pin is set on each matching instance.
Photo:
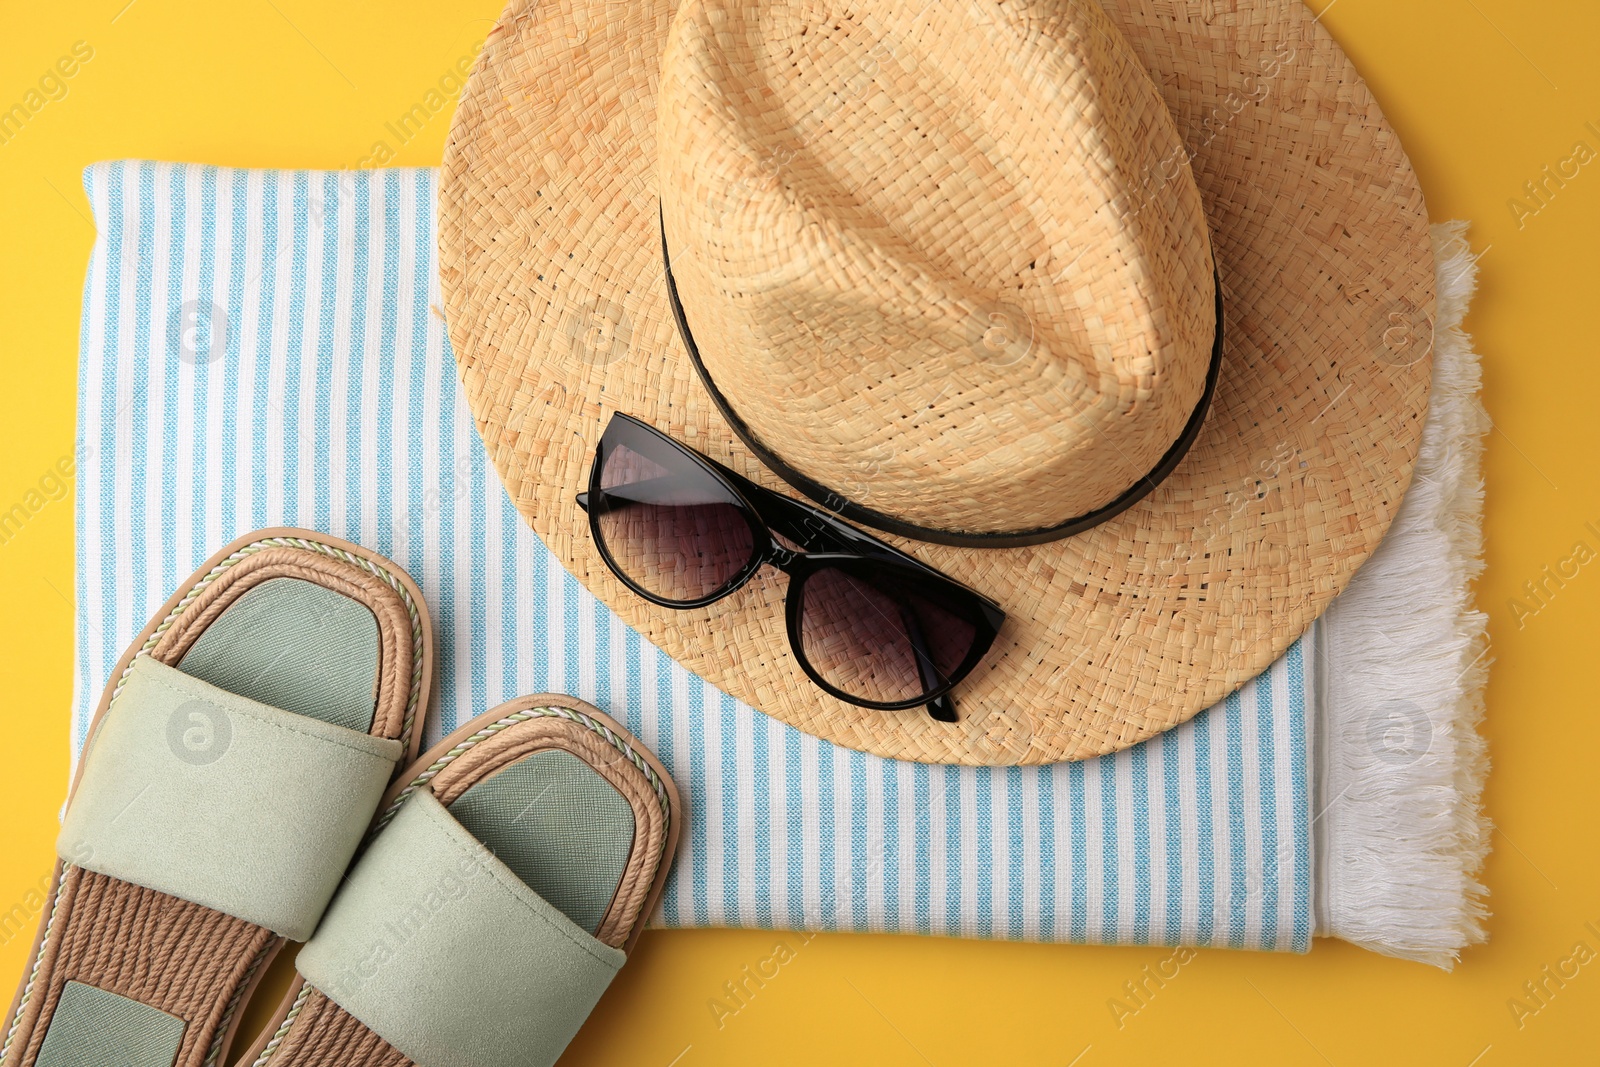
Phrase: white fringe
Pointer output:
(1401, 835)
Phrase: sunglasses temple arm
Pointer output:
(943, 708)
(940, 708)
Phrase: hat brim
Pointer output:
(548, 233)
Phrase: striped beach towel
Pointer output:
(265, 348)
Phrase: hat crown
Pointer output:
(947, 260)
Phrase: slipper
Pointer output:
(505, 882)
(233, 767)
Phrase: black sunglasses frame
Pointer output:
(827, 543)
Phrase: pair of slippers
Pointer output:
(251, 778)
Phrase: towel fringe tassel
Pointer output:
(1401, 833)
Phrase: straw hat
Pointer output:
(954, 269)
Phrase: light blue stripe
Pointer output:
(1202, 793)
(1015, 910)
(983, 816)
(794, 828)
(728, 771)
(889, 861)
(1138, 758)
(510, 620)
(602, 616)
(264, 401)
(1172, 809)
(1110, 873)
(1301, 792)
(1049, 779)
(698, 796)
(541, 664)
(861, 858)
(542, 562)
(360, 280)
(1266, 757)
(301, 234)
(1078, 924)
(922, 791)
(763, 815)
(1239, 892)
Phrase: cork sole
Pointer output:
(181, 958)
(310, 1030)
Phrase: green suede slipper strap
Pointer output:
(444, 953)
(207, 796)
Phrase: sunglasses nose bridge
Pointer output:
(782, 558)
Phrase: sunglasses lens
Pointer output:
(877, 639)
(670, 526)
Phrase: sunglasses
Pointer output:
(868, 623)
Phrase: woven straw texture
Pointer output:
(924, 288)
(551, 266)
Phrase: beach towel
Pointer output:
(265, 348)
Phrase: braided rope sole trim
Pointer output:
(33, 972)
(284, 1028)
(162, 627)
(224, 1026)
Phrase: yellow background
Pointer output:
(1484, 93)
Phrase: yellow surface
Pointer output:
(1485, 94)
